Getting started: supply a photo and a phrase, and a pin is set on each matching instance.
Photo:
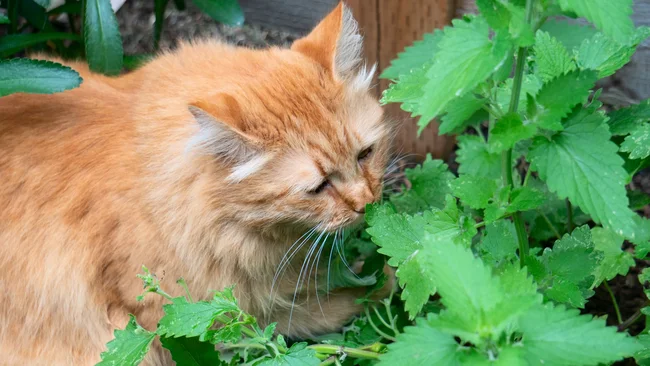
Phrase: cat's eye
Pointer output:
(364, 154)
(320, 188)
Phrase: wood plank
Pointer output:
(389, 26)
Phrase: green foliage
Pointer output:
(492, 260)
(93, 35)
(129, 346)
(32, 76)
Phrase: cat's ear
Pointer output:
(220, 134)
(335, 43)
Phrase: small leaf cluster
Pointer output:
(191, 329)
(94, 36)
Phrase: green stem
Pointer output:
(527, 177)
(569, 221)
(376, 328)
(550, 224)
(181, 281)
(381, 318)
(616, 309)
(506, 156)
(330, 349)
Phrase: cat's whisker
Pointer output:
(329, 263)
(341, 251)
(303, 269)
(286, 260)
(316, 263)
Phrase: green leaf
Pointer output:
(13, 43)
(474, 191)
(509, 130)
(551, 57)
(462, 113)
(558, 97)
(69, 8)
(530, 86)
(132, 62)
(4, 19)
(503, 16)
(185, 319)
(556, 336)
(413, 57)
(476, 159)
(638, 142)
(571, 35)
(408, 89)
(466, 57)
(421, 345)
(615, 261)
(33, 76)
(416, 288)
(606, 55)
(159, 12)
(499, 244)
(297, 355)
(581, 163)
(570, 267)
(128, 347)
(43, 3)
(102, 38)
(192, 352)
(429, 186)
(611, 17)
(223, 11)
(625, 120)
(638, 199)
(525, 198)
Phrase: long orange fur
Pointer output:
(202, 164)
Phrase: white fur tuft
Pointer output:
(349, 47)
(243, 171)
(363, 78)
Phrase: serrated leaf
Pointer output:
(638, 142)
(34, 76)
(581, 163)
(625, 120)
(571, 35)
(102, 38)
(611, 17)
(466, 57)
(297, 355)
(606, 55)
(185, 319)
(462, 113)
(416, 286)
(551, 57)
(192, 352)
(429, 186)
(615, 261)
(556, 336)
(408, 89)
(223, 11)
(509, 130)
(558, 97)
(530, 86)
(525, 198)
(421, 345)
(474, 191)
(413, 57)
(499, 244)
(129, 346)
(475, 158)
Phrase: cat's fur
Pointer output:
(197, 165)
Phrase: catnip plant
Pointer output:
(496, 263)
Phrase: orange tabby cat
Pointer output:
(207, 163)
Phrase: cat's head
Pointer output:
(301, 136)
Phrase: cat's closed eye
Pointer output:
(364, 154)
(321, 187)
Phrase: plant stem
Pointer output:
(376, 328)
(550, 224)
(506, 156)
(569, 221)
(181, 281)
(330, 349)
(614, 302)
(528, 174)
